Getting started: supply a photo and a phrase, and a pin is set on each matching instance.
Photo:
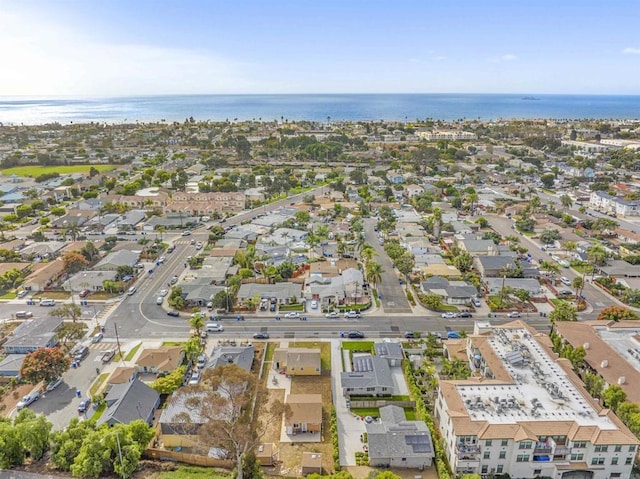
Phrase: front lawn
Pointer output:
(358, 346)
(290, 307)
(366, 411)
(95, 387)
(133, 352)
(37, 170)
(61, 295)
(96, 415)
(193, 472)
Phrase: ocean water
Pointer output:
(318, 107)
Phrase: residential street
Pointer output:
(393, 298)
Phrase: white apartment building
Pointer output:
(613, 205)
(451, 135)
(524, 412)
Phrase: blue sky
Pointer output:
(125, 47)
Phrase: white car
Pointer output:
(566, 281)
(195, 378)
(97, 338)
(214, 328)
(47, 302)
(162, 259)
(314, 304)
(351, 315)
(132, 290)
(332, 315)
(163, 292)
(292, 314)
(54, 384)
(199, 245)
(186, 233)
(23, 293)
(448, 315)
(28, 399)
(159, 300)
(513, 314)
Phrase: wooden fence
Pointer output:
(378, 403)
(187, 458)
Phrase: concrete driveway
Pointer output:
(350, 427)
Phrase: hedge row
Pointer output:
(334, 440)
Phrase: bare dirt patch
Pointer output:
(11, 398)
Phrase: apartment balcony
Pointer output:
(542, 448)
(467, 449)
(562, 451)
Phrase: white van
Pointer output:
(47, 302)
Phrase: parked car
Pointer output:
(513, 314)
(314, 304)
(332, 315)
(448, 315)
(214, 327)
(84, 293)
(132, 290)
(174, 279)
(173, 313)
(202, 361)
(476, 302)
(24, 314)
(47, 302)
(409, 335)
(195, 378)
(465, 314)
(351, 315)
(84, 405)
(260, 335)
(53, 384)
(355, 334)
(81, 353)
(23, 293)
(565, 292)
(272, 307)
(292, 314)
(28, 399)
(566, 281)
(159, 300)
(108, 356)
(97, 338)
(163, 292)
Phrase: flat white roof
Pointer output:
(541, 390)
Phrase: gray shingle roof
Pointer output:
(241, 356)
(127, 402)
(394, 436)
(368, 371)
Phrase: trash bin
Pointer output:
(78, 393)
(74, 365)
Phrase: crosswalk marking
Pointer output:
(102, 346)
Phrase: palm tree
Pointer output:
(551, 267)
(578, 285)
(72, 230)
(566, 201)
(197, 323)
(192, 348)
(569, 246)
(437, 221)
(373, 272)
(367, 252)
(472, 198)
(597, 254)
(535, 203)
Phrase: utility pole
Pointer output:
(120, 452)
(115, 326)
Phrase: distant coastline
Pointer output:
(318, 107)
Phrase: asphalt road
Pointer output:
(393, 300)
(595, 296)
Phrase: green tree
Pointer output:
(175, 298)
(548, 180)
(463, 261)
(405, 263)
(171, 382)
(12, 452)
(197, 322)
(549, 236)
(70, 332)
(566, 201)
(373, 272)
(563, 311)
(613, 396)
(594, 384)
(482, 222)
(68, 311)
(90, 252)
(33, 432)
(432, 302)
(123, 271)
(597, 254)
(221, 300)
(617, 313)
(44, 364)
(193, 348)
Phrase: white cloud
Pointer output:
(508, 57)
(47, 59)
(631, 51)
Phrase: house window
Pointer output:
(632, 448)
(601, 448)
(628, 461)
(577, 457)
(618, 448)
(486, 455)
(371, 389)
(404, 458)
(485, 469)
(537, 472)
(522, 458)
(615, 474)
(487, 442)
(505, 442)
(500, 468)
(525, 445)
(597, 461)
(503, 454)
(580, 444)
(614, 461)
